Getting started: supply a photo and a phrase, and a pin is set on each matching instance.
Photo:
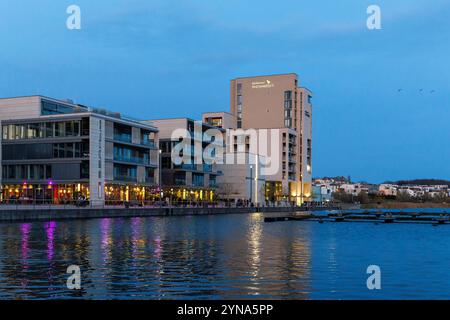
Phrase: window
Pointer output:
(34, 131)
(20, 132)
(49, 130)
(165, 146)
(239, 87)
(11, 132)
(122, 133)
(149, 175)
(125, 173)
(180, 178)
(198, 180)
(166, 163)
(146, 138)
(48, 108)
(127, 154)
(287, 95)
(212, 181)
(5, 132)
(239, 111)
(67, 150)
(59, 129)
(287, 109)
(69, 129)
(84, 170)
(216, 122)
(308, 155)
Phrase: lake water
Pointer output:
(223, 256)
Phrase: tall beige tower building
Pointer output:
(278, 102)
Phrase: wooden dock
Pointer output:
(368, 216)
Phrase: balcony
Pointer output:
(148, 142)
(122, 137)
(180, 182)
(121, 177)
(186, 166)
(150, 180)
(135, 160)
(212, 184)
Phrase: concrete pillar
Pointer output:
(97, 161)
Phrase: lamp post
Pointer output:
(251, 183)
(159, 179)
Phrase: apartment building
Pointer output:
(278, 102)
(55, 151)
(193, 179)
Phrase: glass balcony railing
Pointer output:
(186, 166)
(148, 142)
(180, 182)
(212, 184)
(122, 177)
(135, 160)
(122, 137)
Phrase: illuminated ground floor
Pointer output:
(297, 192)
(53, 193)
(27, 193)
(185, 194)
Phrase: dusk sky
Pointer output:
(156, 59)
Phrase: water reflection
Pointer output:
(235, 256)
(50, 231)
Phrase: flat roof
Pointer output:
(72, 115)
(183, 118)
(267, 75)
(85, 110)
(217, 112)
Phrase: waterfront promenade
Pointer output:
(24, 213)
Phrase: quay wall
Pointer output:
(47, 214)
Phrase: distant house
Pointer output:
(387, 190)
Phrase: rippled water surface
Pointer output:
(223, 256)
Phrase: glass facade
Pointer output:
(41, 130)
(43, 193)
(198, 180)
(129, 154)
(48, 108)
(122, 133)
(125, 173)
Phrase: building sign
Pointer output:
(262, 84)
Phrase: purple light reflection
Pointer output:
(50, 228)
(25, 229)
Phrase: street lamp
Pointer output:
(159, 180)
(251, 183)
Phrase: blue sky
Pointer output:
(166, 58)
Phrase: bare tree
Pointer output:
(226, 191)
